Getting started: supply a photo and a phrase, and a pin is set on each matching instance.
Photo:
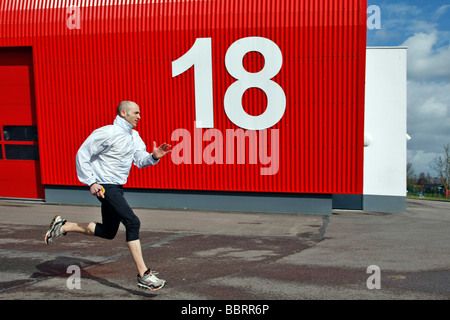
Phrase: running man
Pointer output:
(103, 163)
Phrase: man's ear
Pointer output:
(123, 113)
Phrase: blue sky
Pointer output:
(424, 27)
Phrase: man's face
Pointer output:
(133, 115)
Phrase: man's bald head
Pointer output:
(126, 106)
(129, 110)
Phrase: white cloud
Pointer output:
(403, 10)
(400, 20)
(441, 11)
(425, 62)
(428, 121)
(428, 97)
(422, 27)
(421, 160)
(433, 106)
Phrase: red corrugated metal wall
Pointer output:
(84, 67)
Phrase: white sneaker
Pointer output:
(150, 281)
(54, 229)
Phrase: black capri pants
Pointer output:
(115, 209)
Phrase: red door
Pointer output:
(19, 150)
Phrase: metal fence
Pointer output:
(435, 191)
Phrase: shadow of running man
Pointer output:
(58, 267)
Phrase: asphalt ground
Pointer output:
(227, 256)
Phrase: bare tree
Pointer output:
(410, 174)
(441, 165)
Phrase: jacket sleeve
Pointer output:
(96, 143)
(142, 158)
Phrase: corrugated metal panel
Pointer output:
(124, 51)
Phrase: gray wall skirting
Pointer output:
(384, 203)
(202, 200)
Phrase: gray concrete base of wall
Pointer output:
(290, 203)
(375, 203)
(384, 203)
(202, 200)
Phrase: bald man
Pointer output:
(103, 163)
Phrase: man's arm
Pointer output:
(93, 145)
(83, 164)
(144, 159)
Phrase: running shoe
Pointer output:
(54, 229)
(150, 281)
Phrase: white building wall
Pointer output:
(385, 127)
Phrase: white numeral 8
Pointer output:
(276, 98)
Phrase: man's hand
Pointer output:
(97, 190)
(161, 151)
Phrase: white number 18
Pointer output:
(200, 56)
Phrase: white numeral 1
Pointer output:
(200, 56)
